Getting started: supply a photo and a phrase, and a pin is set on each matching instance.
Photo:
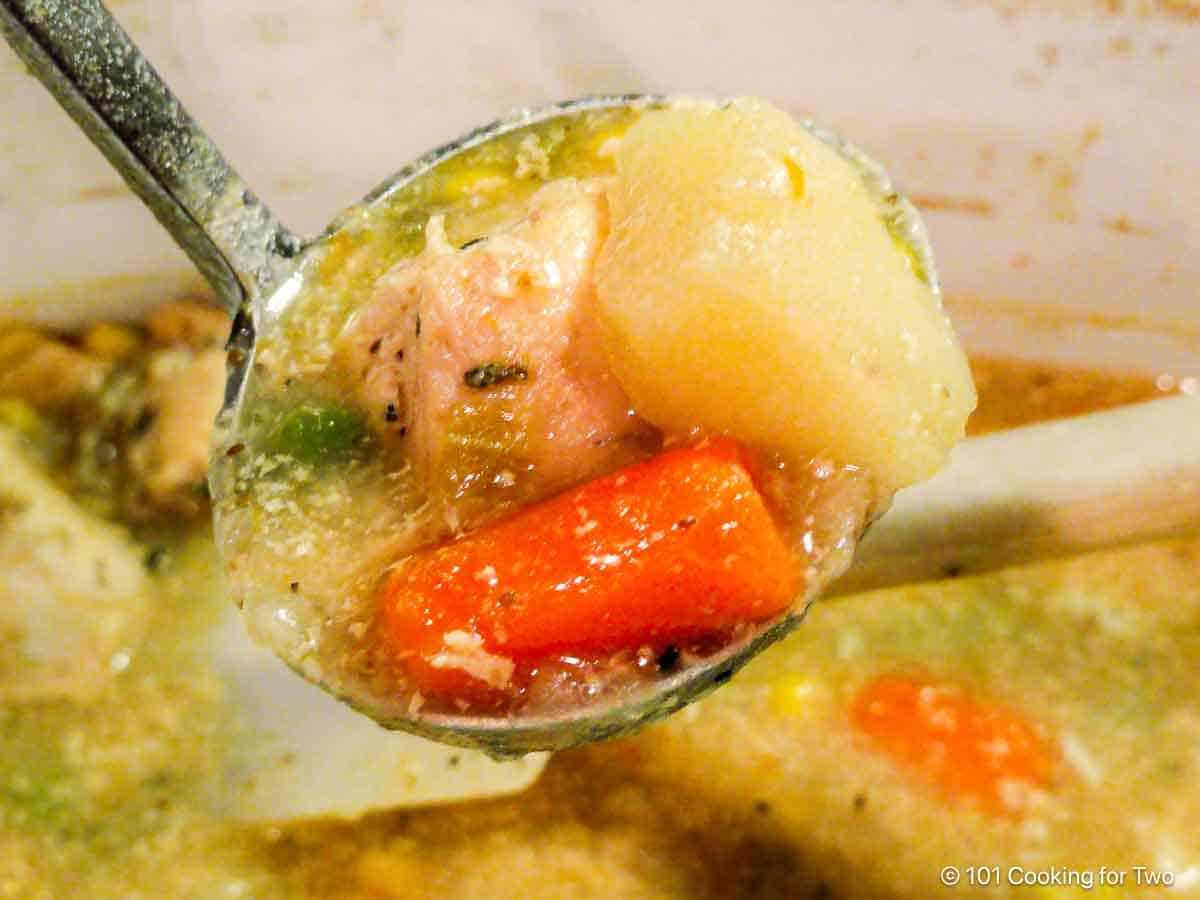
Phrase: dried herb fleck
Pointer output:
(156, 558)
(494, 373)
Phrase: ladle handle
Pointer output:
(99, 76)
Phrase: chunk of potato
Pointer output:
(750, 286)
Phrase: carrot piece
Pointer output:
(966, 747)
(676, 547)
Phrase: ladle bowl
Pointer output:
(252, 261)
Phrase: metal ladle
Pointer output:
(95, 71)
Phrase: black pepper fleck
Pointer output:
(155, 558)
(668, 659)
(235, 449)
(294, 587)
(144, 421)
(762, 807)
(286, 245)
(860, 802)
(391, 414)
(686, 522)
(374, 348)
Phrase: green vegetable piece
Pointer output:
(318, 435)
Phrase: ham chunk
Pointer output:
(483, 362)
(74, 595)
(185, 397)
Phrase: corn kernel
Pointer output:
(110, 341)
(17, 342)
(20, 416)
(395, 873)
(792, 694)
(796, 174)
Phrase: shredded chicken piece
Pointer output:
(491, 350)
(73, 591)
(173, 454)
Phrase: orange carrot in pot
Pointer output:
(676, 547)
(967, 747)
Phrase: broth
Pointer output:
(763, 790)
